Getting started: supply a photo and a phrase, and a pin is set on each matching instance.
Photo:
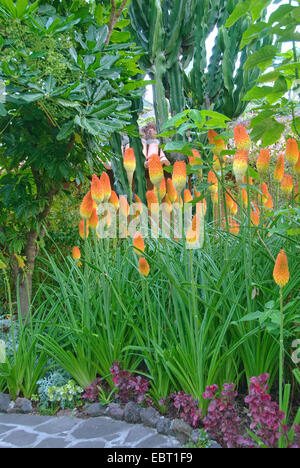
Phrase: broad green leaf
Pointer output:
(256, 7)
(279, 89)
(253, 32)
(240, 10)
(280, 13)
(65, 130)
(268, 77)
(30, 97)
(273, 133)
(257, 92)
(178, 147)
(196, 116)
(261, 58)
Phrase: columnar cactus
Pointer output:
(173, 34)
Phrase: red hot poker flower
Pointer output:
(156, 172)
(129, 163)
(241, 138)
(96, 190)
(281, 273)
(263, 161)
(138, 243)
(144, 267)
(291, 151)
(105, 186)
(86, 207)
(287, 184)
(179, 176)
(279, 169)
(76, 253)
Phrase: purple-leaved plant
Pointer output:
(266, 416)
(182, 405)
(92, 391)
(222, 421)
(130, 387)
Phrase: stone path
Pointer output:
(28, 431)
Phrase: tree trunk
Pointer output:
(23, 278)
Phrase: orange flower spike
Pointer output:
(240, 165)
(193, 232)
(171, 191)
(269, 203)
(129, 163)
(93, 220)
(187, 196)
(106, 187)
(124, 207)
(81, 229)
(279, 169)
(241, 138)
(255, 218)
(297, 167)
(263, 161)
(292, 154)
(114, 200)
(211, 136)
(162, 189)
(138, 243)
(156, 172)
(212, 179)
(229, 200)
(219, 144)
(179, 176)
(152, 201)
(87, 206)
(287, 184)
(281, 272)
(196, 193)
(76, 253)
(234, 208)
(234, 226)
(96, 190)
(144, 267)
(263, 188)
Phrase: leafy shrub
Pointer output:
(130, 387)
(182, 405)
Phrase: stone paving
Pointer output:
(28, 431)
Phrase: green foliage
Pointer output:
(67, 396)
(173, 35)
(66, 94)
(281, 70)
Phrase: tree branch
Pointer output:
(115, 15)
